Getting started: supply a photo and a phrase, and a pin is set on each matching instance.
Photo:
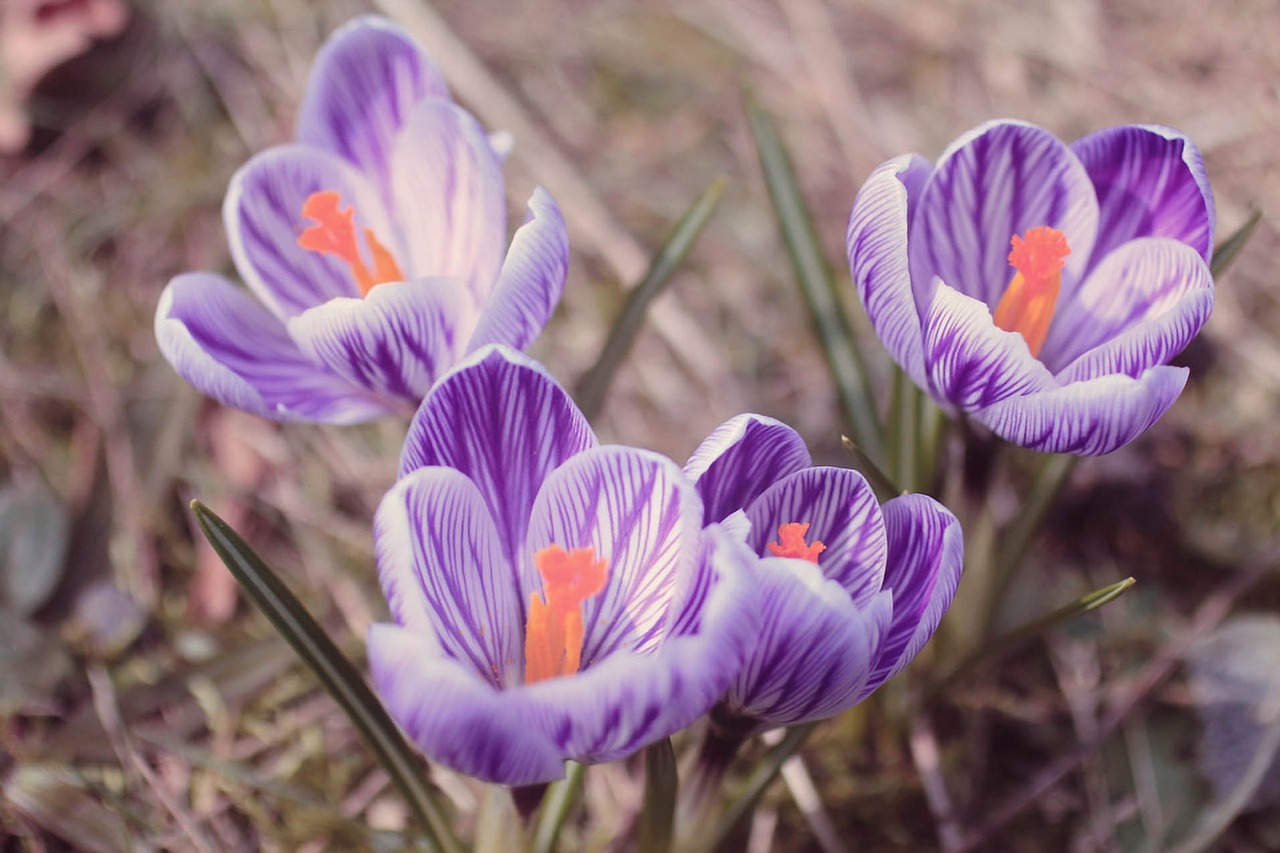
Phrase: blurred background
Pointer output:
(144, 706)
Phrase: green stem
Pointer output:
(560, 798)
(904, 429)
(657, 816)
(1051, 479)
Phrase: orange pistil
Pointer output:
(791, 543)
(554, 630)
(335, 234)
(1028, 304)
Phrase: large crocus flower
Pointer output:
(1037, 286)
(372, 247)
(552, 598)
(850, 590)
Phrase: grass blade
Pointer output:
(657, 816)
(337, 674)
(555, 808)
(1226, 251)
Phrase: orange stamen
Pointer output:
(554, 630)
(791, 543)
(335, 234)
(1028, 304)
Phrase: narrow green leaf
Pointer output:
(884, 487)
(336, 673)
(904, 429)
(1051, 479)
(594, 385)
(1225, 252)
(555, 808)
(657, 815)
(847, 367)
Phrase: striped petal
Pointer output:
(740, 459)
(228, 346)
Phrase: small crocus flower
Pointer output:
(1041, 288)
(372, 247)
(850, 590)
(552, 598)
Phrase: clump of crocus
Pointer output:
(372, 247)
(1039, 287)
(552, 598)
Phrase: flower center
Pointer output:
(553, 633)
(791, 543)
(1028, 304)
(335, 234)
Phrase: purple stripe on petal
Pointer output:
(231, 348)
(842, 513)
(877, 247)
(1151, 182)
(531, 280)
(396, 341)
(740, 459)
(450, 202)
(640, 513)
(1137, 309)
(1089, 418)
(971, 362)
(996, 181)
(366, 80)
(440, 564)
(263, 216)
(501, 420)
(814, 651)
(926, 556)
(455, 717)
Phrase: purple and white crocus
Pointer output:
(850, 590)
(553, 598)
(1041, 288)
(372, 247)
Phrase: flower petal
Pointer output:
(815, 647)
(454, 716)
(877, 247)
(642, 515)
(740, 459)
(1150, 182)
(996, 181)
(1088, 418)
(366, 80)
(395, 342)
(531, 280)
(842, 513)
(263, 216)
(442, 570)
(926, 556)
(231, 348)
(971, 362)
(450, 202)
(1137, 309)
(506, 424)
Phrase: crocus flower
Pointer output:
(552, 598)
(850, 590)
(1041, 287)
(372, 247)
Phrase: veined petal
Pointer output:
(366, 81)
(878, 256)
(1136, 310)
(443, 572)
(454, 716)
(263, 216)
(531, 280)
(395, 342)
(842, 513)
(232, 349)
(740, 459)
(815, 647)
(641, 515)
(971, 362)
(1088, 418)
(450, 203)
(998, 180)
(926, 556)
(1150, 182)
(501, 420)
